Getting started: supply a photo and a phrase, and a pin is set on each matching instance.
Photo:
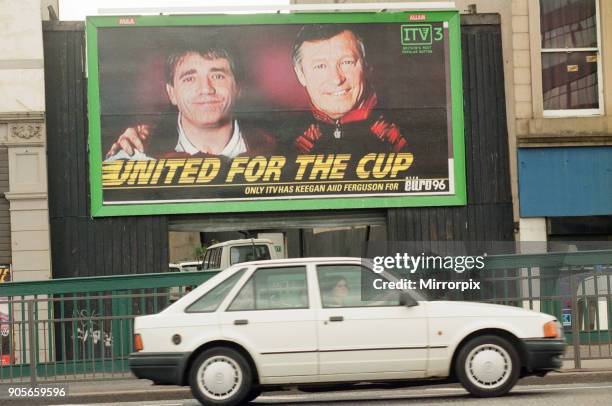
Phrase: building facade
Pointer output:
(563, 121)
(537, 132)
(24, 218)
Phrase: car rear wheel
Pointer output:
(488, 366)
(221, 376)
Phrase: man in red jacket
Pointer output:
(329, 61)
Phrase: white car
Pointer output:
(301, 322)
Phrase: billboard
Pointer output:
(217, 113)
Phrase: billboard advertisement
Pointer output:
(216, 113)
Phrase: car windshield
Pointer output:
(213, 298)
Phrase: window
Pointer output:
(352, 286)
(247, 253)
(216, 258)
(212, 259)
(206, 260)
(213, 298)
(273, 289)
(571, 65)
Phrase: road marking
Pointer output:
(127, 403)
(375, 395)
(406, 392)
(566, 388)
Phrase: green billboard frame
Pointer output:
(99, 209)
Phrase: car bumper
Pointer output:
(161, 368)
(544, 354)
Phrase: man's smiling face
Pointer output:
(332, 71)
(204, 90)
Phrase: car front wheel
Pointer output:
(488, 366)
(221, 376)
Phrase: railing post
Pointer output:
(575, 322)
(32, 341)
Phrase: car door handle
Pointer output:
(336, 318)
(241, 322)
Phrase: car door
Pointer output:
(271, 315)
(364, 332)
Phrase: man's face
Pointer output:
(204, 90)
(333, 73)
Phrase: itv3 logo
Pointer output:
(418, 38)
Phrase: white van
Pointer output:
(228, 253)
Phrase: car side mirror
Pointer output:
(407, 300)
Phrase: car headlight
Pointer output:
(552, 329)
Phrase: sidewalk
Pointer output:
(98, 391)
(134, 389)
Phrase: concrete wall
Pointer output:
(182, 245)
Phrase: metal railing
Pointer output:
(81, 328)
(575, 287)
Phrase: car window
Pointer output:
(206, 260)
(213, 298)
(273, 289)
(214, 259)
(218, 253)
(218, 258)
(352, 286)
(247, 253)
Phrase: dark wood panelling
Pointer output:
(488, 215)
(108, 246)
(80, 245)
(65, 89)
